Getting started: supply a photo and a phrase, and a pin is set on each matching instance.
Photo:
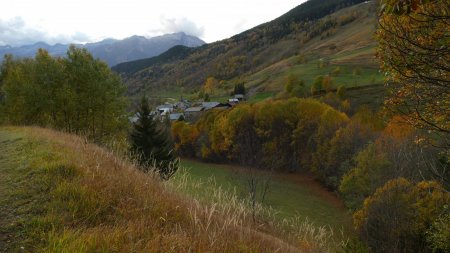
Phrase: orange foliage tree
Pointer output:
(414, 48)
(185, 137)
(398, 215)
(279, 134)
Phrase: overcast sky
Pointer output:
(79, 21)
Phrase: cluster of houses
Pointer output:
(191, 111)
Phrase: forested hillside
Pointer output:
(312, 31)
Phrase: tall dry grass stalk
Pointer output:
(107, 204)
(298, 232)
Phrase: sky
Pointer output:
(80, 21)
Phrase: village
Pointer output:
(190, 111)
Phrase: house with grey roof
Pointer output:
(194, 109)
(176, 116)
(193, 113)
(164, 109)
(210, 105)
(240, 97)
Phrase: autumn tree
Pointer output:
(438, 236)
(329, 122)
(397, 217)
(395, 153)
(332, 99)
(185, 136)
(317, 85)
(341, 92)
(210, 85)
(362, 180)
(99, 102)
(414, 49)
(288, 87)
(409, 157)
(292, 81)
(327, 83)
(299, 90)
(294, 86)
(280, 134)
(20, 92)
(334, 157)
(51, 77)
(336, 71)
(77, 94)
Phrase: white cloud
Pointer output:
(58, 21)
(16, 32)
(240, 26)
(174, 25)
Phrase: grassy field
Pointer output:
(61, 194)
(289, 195)
(274, 77)
(372, 96)
(260, 96)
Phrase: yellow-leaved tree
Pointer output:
(414, 48)
(398, 217)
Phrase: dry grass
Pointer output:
(299, 232)
(101, 203)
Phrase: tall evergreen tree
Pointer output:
(151, 143)
(239, 88)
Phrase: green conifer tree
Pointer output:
(151, 143)
(239, 88)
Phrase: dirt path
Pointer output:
(9, 161)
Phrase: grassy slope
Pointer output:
(60, 194)
(289, 195)
(349, 47)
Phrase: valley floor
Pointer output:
(289, 194)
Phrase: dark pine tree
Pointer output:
(239, 88)
(151, 143)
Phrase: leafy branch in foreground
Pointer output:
(414, 47)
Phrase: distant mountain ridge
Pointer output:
(114, 51)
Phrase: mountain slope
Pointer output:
(345, 52)
(296, 33)
(173, 54)
(114, 51)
